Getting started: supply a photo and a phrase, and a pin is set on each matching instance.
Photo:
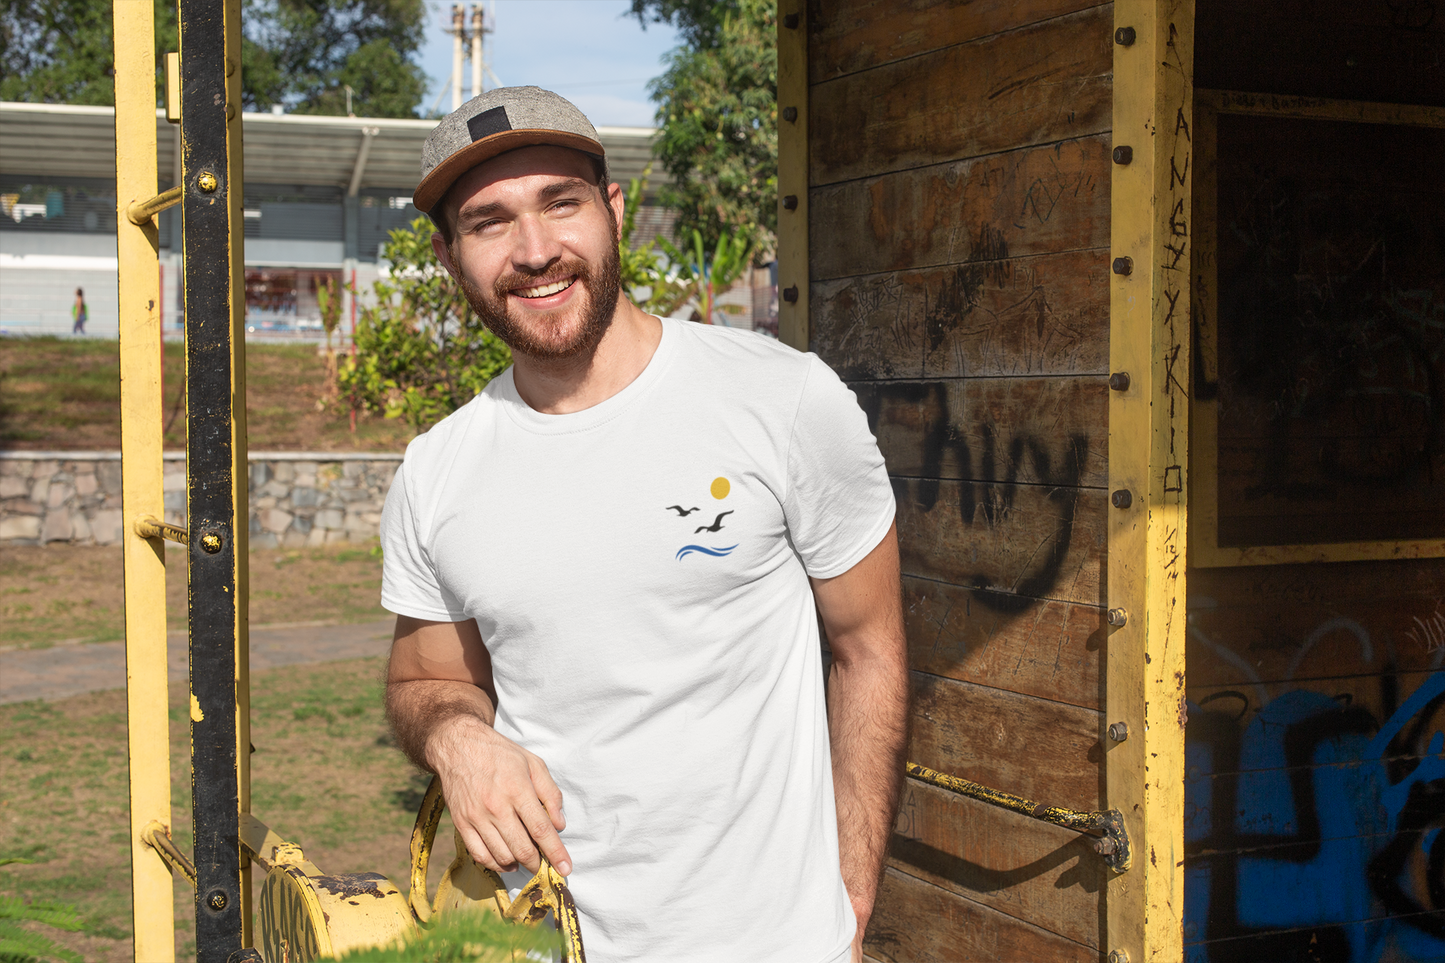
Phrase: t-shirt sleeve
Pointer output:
(409, 584)
(839, 503)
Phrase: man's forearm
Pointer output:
(417, 708)
(868, 726)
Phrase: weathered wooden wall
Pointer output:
(1315, 777)
(958, 246)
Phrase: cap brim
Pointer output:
(435, 185)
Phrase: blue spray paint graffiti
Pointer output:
(1313, 833)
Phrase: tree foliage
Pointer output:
(304, 53)
(61, 51)
(420, 351)
(718, 114)
(300, 53)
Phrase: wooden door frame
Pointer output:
(1149, 341)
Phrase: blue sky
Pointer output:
(593, 52)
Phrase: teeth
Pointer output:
(545, 290)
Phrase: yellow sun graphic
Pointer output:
(720, 488)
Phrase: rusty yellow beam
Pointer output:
(1112, 844)
(140, 212)
(793, 326)
(1149, 358)
(137, 247)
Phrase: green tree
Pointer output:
(304, 53)
(61, 51)
(420, 351)
(718, 114)
(301, 53)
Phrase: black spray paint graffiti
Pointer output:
(989, 474)
(1313, 828)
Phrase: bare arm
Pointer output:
(442, 703)
(862, 612)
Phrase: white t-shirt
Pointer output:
(639, 572)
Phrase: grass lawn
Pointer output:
(64, 393)
(325, 774)
(67, 593)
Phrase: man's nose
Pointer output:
(536, 246)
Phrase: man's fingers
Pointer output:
(541, 828)
(487, 847)
(548, 793)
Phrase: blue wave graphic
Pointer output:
(715, 552)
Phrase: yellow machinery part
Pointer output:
(302, 918)
(304, 915)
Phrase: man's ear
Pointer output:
(443, 253)
(617, 202)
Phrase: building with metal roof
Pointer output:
(320, 196)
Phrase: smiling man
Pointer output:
(609, 570)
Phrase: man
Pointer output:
(605, 569)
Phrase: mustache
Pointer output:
(515, 279)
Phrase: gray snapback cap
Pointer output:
(494, 123)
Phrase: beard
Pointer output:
(558, 336)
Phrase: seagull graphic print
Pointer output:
(720, 489)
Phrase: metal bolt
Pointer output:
(790, 203)
(216, 900)
(1123, 155)
(790, 293)
(1124, 37)
(1118, 731)
(211, 543)
(1124, 265)
(790, 114)
(790, 21)
(1122, 498)
(1105, 846)
(1119, 381)
(1117, 617)
(207, 182)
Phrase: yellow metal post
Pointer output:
(137, 246)
(793, 327)
(1148, 467)
(240, 475)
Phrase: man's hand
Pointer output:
(862, 612)
(441, 702)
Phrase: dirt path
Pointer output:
(67, 670)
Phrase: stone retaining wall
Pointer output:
(297, 498)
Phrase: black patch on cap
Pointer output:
(488, 122)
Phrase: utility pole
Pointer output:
(459, 33)
(476, 50)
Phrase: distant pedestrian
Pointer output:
(79, 312)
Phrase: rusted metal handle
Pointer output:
(1112, 843)
(158, 837)
(148, 526)
(140, 212)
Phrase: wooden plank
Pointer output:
(1269, 625)
(1150, 339)
(1046, 751)
(1356, 705)
(1328, 940)
(992, 429)
(1014, 543)
(914, 921)
(1028, 869)
(1044, 83)
(1045, 315)
(1039, 200)
(853, 35)
(1049, 649)
(1334, 48)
